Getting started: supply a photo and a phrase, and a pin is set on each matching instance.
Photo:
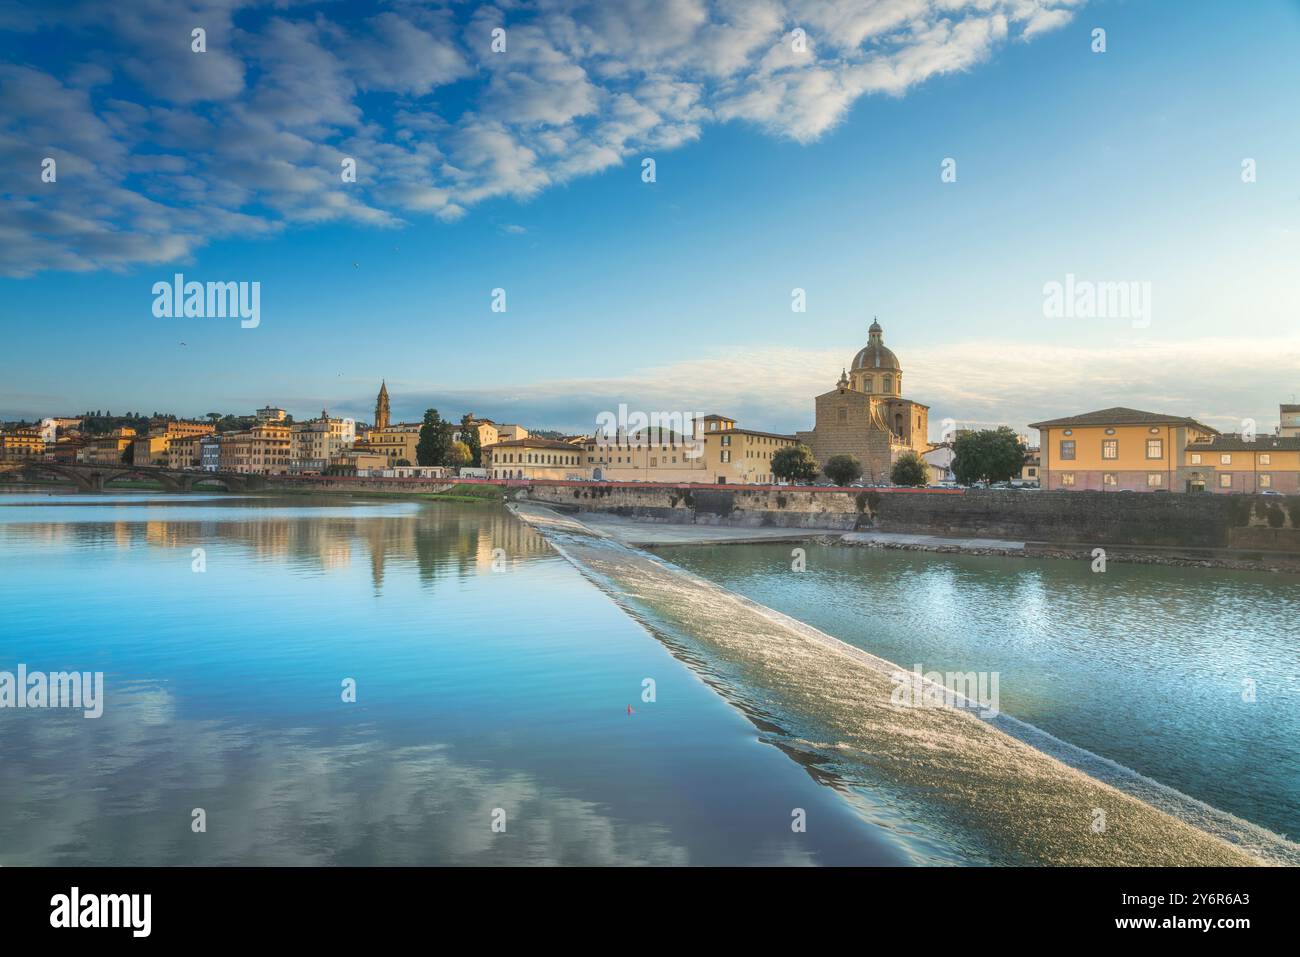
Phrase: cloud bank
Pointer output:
(980, 384)
(160, 149)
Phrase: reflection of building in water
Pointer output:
(435, 541)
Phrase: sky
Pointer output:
(797, 144)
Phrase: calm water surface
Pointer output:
(477, 690)
(1145, 665)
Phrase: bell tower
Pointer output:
(381, 408)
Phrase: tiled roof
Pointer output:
(1120, 415)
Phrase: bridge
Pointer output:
(94, 478)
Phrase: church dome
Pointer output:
(875, 355)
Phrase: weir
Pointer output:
(998, 789)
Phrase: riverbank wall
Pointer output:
(1163, 520)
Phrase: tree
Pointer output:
(460, 455)
(794, 463)
(469, 435)
(434, 442)
(990, 455)
(843, 469)
(910, 469)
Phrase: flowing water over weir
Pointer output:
(957, 785)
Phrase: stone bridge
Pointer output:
(94, 478)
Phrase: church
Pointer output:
(866, 416)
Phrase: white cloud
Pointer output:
(163, 149)
(979, 383)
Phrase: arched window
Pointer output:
(866, 384)
(889, 384)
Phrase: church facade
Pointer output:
(866, 416)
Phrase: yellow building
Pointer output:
(742, 456)
(314, 442)
(1232, 463)
(1117, 449)
(22, 442)
(1289, 416)
(488, 433)
(108, 449)
(535, 458)
(397, 443)
(150, 449)
(717, 452)
(184, 427)
(154, 449)
(185, 451)
(646, 455)
(510, 432)
(262, 450)
(354, 460)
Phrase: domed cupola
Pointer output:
(875, 368)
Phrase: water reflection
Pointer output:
(293, 796)
(315, 533)
(490, 674)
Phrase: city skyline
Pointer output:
(683, 297)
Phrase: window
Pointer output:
(1067, 478)
(726, 455)
(1067, 452)
(842, 415)
(1109, 479)
(1266, 459)
(1225, 480)
(1110, 448)
(1265, 480)
(866, 384)
(726, 440)
(1225, 459)
(1155, 448)
(1155, 479)
(1196, 458)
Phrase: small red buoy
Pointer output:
(629, 709)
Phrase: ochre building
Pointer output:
(866, 416)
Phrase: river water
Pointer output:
(492, 691)
(1189, 676)
(501, 711)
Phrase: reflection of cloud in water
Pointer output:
(93, 792)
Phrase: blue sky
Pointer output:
(522, 170)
